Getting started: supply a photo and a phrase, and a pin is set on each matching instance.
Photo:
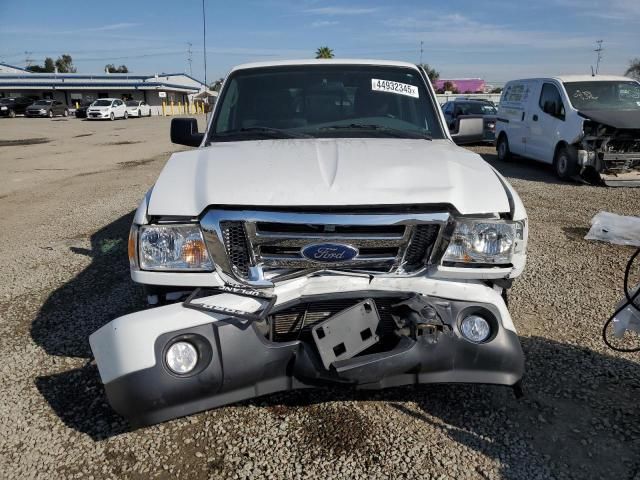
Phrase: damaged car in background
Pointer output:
(586, 126)
(327, 231)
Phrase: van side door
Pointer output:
(546, 123)
(512, 113)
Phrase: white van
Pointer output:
(584, 125)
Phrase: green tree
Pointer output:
(49, 67)
(432, 73)
(217, 85)
(111, 68)
(324, 52)
(449, 87)
(64, 64)
(634, 69)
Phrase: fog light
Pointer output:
(182, 357)
(475, 328)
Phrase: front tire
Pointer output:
(112, 117)
(50, 114)
(565, 163)
(139, 113)
(504, 153)
(66, 113)
(12, 114)
(126, 115)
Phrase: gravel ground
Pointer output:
(66, 208)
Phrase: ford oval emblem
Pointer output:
(329, 252)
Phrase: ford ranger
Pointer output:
(326, 231)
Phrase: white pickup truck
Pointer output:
(327, 230)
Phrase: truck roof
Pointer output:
(386, 63)
(579, 78)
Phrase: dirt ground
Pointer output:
(68, 189)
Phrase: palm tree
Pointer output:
(634, 68)
(324, 52)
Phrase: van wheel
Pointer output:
(565, 163)
(504, 154)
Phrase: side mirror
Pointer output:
(184, 131)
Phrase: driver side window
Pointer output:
(551, 101)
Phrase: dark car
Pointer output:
(12, 106)
(47, 108)
(81, 111)
(472, 108)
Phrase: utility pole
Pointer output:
(421, 49)
(190, 59)
(204, 42)
(598, 50)
(28, 60)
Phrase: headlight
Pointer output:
(173, 247)
(42, 110)
(3, 108)
(484, 242)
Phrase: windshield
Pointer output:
(132, 103)
(609, 95)
(325, 101)
(43, 102)
(102, 103)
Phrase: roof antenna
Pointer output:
(593, 74)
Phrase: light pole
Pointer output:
(204, 41)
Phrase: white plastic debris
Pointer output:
(629, 318)
(612, 228)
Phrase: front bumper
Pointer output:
(98, 115)
(31, 113)
(241, 363)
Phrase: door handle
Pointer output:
(535, 118)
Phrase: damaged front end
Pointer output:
(315, 330)
(609, 154)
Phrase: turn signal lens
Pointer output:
(194, 253)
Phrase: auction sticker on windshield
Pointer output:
(394, 87)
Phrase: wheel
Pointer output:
(66, 113)
(112, 117)
(149, 113)
(504, 154)
(12, 114)
(126, 115)
(50, 114)
(565, 163)
(139, 113)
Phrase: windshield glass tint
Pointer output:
(43, 102)
(614, 95)
(102, 103)
(476, 108)
(326, 101)
(132, 103)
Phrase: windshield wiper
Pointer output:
(379, 128)
(266, 131)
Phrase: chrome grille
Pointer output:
(249, 245)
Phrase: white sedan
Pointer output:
(137, 108)
(107, 108)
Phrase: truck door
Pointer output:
(546, 123)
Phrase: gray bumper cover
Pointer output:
(242, 364)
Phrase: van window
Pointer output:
(551, 102)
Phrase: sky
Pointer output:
(496, 40)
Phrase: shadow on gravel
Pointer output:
(94, 297)
(524, 169)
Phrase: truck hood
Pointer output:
(327, 172)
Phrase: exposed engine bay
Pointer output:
(609, 154)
